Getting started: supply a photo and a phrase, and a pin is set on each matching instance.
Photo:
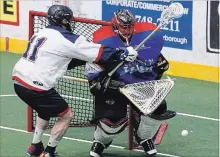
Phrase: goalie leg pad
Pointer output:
(106, 130)
(147, 128)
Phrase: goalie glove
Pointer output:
(102, 84)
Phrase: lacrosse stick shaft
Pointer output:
(148, 37)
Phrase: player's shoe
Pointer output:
(34, 150)
(97, 148)
(46, 154)
(149, 147)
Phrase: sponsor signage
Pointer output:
(177, 34)
(9, 12)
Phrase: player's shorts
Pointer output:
(112, 105)
(45, 103)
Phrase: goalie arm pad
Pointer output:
(161, 66)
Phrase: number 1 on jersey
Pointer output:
(33, 48)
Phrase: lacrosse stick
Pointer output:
(175, 10)
(147, 96)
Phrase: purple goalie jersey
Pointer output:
(142, 69)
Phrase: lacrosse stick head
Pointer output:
(175, 10)
(147, 96)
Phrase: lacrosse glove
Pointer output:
(129, 55)
(102, 84)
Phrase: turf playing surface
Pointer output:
(189, 96)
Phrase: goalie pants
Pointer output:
(112, 105)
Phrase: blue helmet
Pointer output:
(61, 15)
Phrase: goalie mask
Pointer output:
(60, 15)
(123, 23)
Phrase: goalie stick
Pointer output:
(175, 10)
(147, 96)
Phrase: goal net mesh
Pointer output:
(76, 93)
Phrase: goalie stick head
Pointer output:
(61, 15)
(123, 23)
(175, 10)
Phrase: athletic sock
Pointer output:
(51, 146)
(37, 135)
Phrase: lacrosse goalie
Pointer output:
(110, 104)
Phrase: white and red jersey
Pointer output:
(48, 54)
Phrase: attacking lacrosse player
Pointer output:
(45, 61)
(110, 104)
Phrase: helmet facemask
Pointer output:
(67, 22)
(59, 15)
(123, 23)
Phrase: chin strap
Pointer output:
(122, 36)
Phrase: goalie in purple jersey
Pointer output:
(110, 104)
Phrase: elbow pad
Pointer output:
(162, 65)
(111, 55)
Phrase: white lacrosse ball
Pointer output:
(184, 133)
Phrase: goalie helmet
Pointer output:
(123, 23)
(60, 15)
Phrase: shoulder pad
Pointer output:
(143, 26)
(103, 33)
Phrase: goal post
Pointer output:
(73, 87)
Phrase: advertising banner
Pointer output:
(213, 26)
(177, 34)
(9, 12)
